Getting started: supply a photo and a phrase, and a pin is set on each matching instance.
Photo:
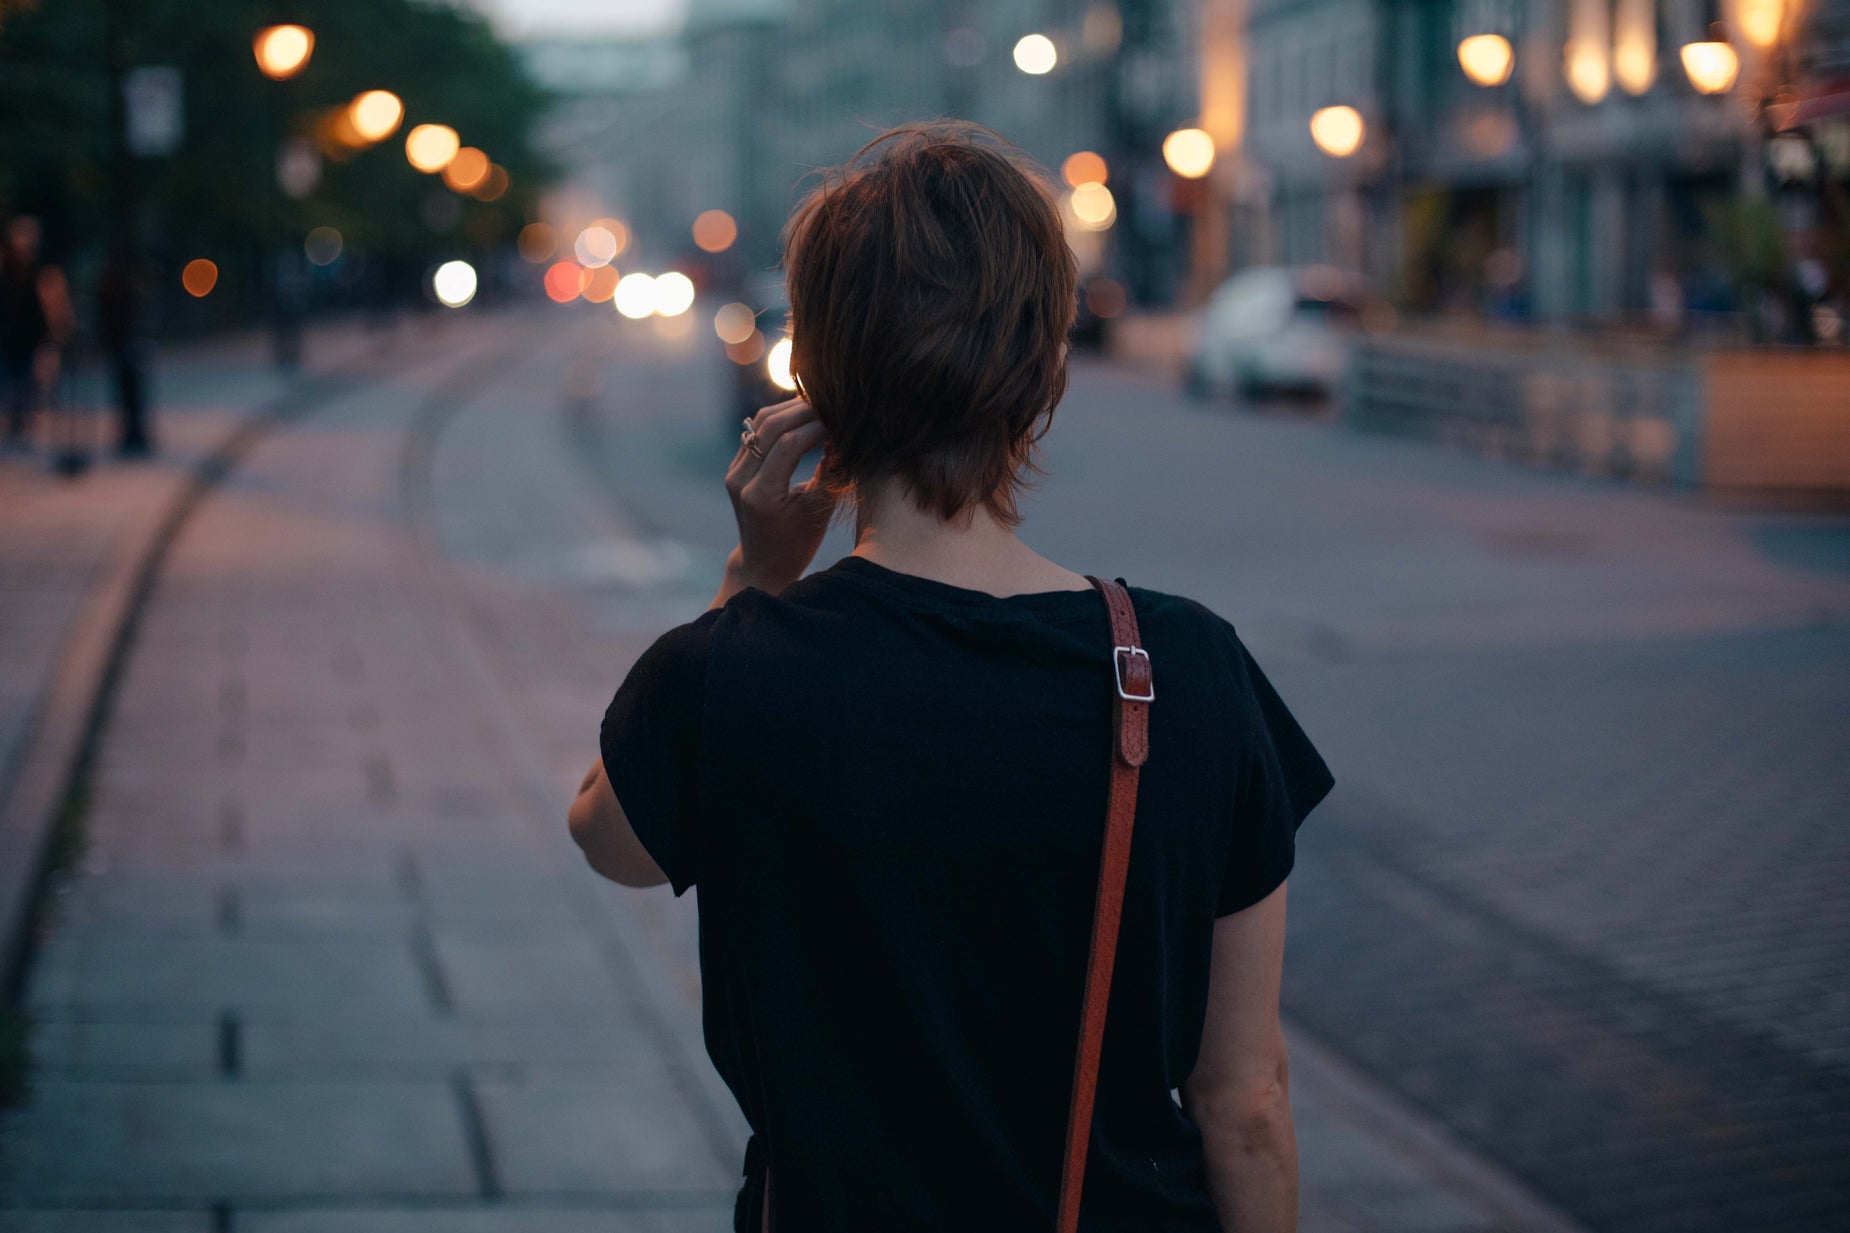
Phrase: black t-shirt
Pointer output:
(891, 794)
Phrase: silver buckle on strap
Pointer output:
(1117, 661)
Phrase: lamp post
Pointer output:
(282, 52)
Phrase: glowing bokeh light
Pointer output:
(1106, 298)
(283, 51)
(1486, 59)
(777, 365)
(1589, 72)
(635, 297)
(430, 147)
(564, 280)
(674, 294)
(1760, 20)
(1712, 67)
(595, 246)
(467, 170)
(199, 277)
(1189, 153)
(1338, 131)
(322, 246)
(715, 230)
(747, 351)
(600, 283)
(1085, 167)
(734, 323)
(537, 242)
(1093, 206)
(454, 283)
(375, 114)
(1035, 54)
(493, 185)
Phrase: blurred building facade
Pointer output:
(1589, 178)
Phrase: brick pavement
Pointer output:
(330, 962)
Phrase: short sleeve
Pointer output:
(651, 747)
(1280, 778)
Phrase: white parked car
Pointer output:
(1274, 330)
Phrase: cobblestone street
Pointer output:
(1568, 940)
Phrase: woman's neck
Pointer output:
(975, 551)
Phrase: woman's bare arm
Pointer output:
(1239, 1093)
(603, 833)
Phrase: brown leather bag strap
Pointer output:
(1134, 691)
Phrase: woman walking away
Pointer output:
(950, 985)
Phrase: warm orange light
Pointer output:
(493, 185)
(467, 170)
(283, 51)
(1712, 67)
(600, 284)
(1085, 167)
(616, 229)
(537, 243)
(375, 115)
(1760, 20)
(199, 277)
(1589, 74)
(1189, 152)
(1338, 131)
(430, 147)
(1486, 59)
(714, 231)
(564, 280)
(747, 352)
(1634, 45)
(1093, 206)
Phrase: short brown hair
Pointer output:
(931, 294)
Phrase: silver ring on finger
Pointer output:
(750, 440)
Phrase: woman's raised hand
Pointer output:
(780, 526)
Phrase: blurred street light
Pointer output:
(466, 172)
(1338, 131)
(777, 365)
(375, 114)
(1034, 55)
(596, 245)
(1486, 59)
(600, 284)
(1760, 20)
(283, 51)
(1634, 45)
(1085, 167)
(493, 184)
(1189, 153)
(1093, 206)
(564, 280)
(715, 230)
(674, 294)
(734, 323)
(1711, 66)
(322, 246)
(454, 283)
(635, 297)
(537, 242)
(199, 277)
(430, 147)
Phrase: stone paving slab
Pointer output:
(579, 1132)
(105, 1222)
(210, 1142)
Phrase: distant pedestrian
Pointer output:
(892, 780)
(35, 321)
(118, 307)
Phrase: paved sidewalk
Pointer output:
(74, 547)
(332, 964)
